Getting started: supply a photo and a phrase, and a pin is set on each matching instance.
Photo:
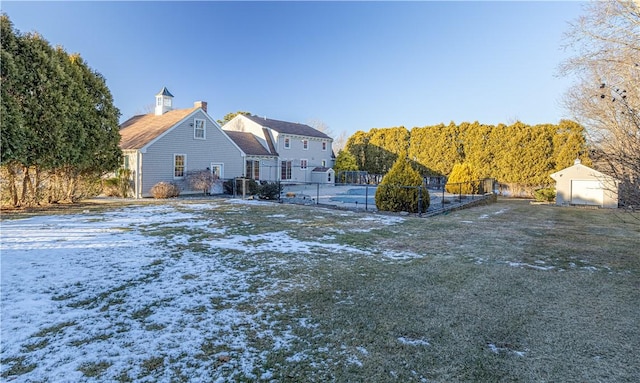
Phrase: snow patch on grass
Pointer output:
(530, 266)
(413, 342)
(504, 349)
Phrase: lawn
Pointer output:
(226, 290)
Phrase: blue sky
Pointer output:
(353, 66)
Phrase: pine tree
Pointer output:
(357, 146)
(402, 189)
(462, 180)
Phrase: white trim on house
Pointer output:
(143, 149)
(203, 129)
(219, 165)
(288, 169)
(175, 167)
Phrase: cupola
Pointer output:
(164, 101)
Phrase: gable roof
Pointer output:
(285, 127)
(578, 168)
(249, 144)
(140, 130)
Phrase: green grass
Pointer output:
(555, 290)
(507, 292)
(94, 370)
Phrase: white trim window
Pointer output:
(199, 129)
(287, 143)
(179, 165)
(285, 170)
(324, 146)
(324, 163)
(303, 164)
(253, 169)
(305, 144)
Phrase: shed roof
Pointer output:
(285, 127)
(140, 130)
(578, 168)
(321, 169)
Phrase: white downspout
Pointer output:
(139, 175)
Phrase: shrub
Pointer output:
(110, 187)
(165, 190)
(400, 189)
(269, 190)
(462, 180)
(201, 180)
(545, 194)
(251, 186)
(119, 186)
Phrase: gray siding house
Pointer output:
(167, 144)
(580, 185)
(298, 152)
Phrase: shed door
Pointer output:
(588, 192)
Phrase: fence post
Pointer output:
(419, 201)
(318, 193)
(459, 192)
(244, 188)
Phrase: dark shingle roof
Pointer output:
(164, 92)
(249, 143)
(269, 139)
(285, 127)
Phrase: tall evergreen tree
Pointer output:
(357, 146)
(60, 122)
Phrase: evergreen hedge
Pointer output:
(401, 189)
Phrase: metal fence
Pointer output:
(441, 196)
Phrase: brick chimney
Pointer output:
(201, 104)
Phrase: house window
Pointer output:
(305, 144)
(324, 147)
(253, 169)
(199, 129)
(287, 143)
(285, 173)
(324, 163)
(179, 165)
(303, 164)
(329, 176)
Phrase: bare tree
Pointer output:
(606, 95)
(321, 126)
(339, 142)
(201, 180)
